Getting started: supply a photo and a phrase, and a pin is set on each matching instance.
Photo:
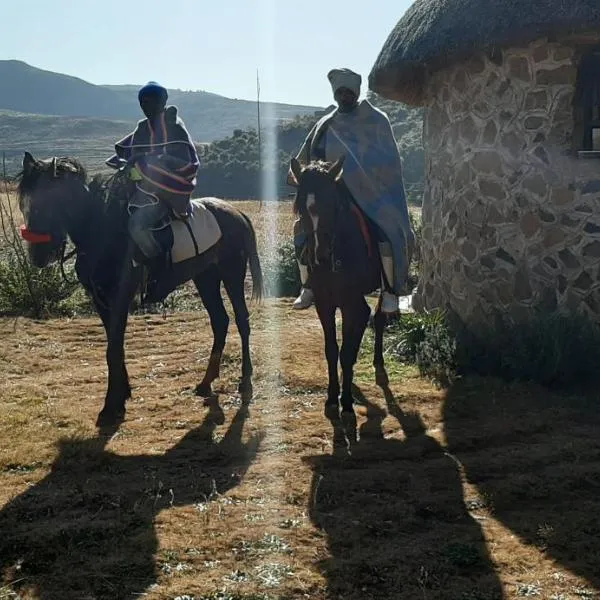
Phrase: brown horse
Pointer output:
(58, 203)
(344, 265)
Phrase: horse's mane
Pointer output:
(28, 178)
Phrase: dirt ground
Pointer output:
(483, 491)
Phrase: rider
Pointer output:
(372, 176)
(163, 163)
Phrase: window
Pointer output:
(587, 102)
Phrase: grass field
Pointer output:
(485, 490)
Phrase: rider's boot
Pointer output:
(306, 297)
(389, 299)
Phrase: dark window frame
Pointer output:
(587, 100)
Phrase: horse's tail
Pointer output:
(258, 286)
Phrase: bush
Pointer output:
(425, 339)
(551, 349)
(31, 292)
(24, 289)
(281, 274)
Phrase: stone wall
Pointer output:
(511, 219)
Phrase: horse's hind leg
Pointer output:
(233, 278)
(355, 317)
(379, 321)
(208, 285)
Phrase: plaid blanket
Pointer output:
(372, 172)
(164, 152)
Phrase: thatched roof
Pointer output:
(433, 34)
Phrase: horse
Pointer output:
(344, 265)
(58, 203)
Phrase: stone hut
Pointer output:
(511, 210)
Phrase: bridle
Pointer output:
(334, 264)
(34, 237)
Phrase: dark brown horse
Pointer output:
(58, 203)
(344, 265)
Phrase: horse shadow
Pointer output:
(87, 529)
(534, 456)
(394, 514)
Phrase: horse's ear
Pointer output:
(29, 162)
(54, 168)
(296, 170)
(336, 169)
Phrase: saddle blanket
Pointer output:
(199, 232)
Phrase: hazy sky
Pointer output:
(212, 45)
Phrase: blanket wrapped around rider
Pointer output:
(372, 172)
(164, 156)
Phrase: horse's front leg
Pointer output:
(355, 317)
(379, 321)
(115, 322)
(326, 312)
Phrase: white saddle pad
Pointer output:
(205, 229)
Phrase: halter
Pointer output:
(34, 237)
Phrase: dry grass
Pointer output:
(485, 491)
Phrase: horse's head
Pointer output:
(317, 204)
(46, 192)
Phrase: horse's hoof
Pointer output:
(204, 390)
(246, 390)
(381, 378)
(110, 418)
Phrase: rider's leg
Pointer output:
(140, 225)
(306, 297)
(389, 299)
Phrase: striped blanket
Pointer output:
(163, 152)
(372, 172)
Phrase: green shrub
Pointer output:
(31, 292)
(550, 349)
(281, 274)
(424, 339)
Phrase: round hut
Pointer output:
(511, 210)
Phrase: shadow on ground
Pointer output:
(535, 457)
(394, 515)
(87, 529)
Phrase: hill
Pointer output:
(27, 89)
(53, 114)
(90, 139)
(230, 167)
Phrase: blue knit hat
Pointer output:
(153, 88)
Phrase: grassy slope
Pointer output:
(497, 490)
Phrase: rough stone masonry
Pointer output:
(511, 216)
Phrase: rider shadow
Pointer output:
(394, 514)
(534, 456)
(87, 529)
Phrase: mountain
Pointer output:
(27, 89)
